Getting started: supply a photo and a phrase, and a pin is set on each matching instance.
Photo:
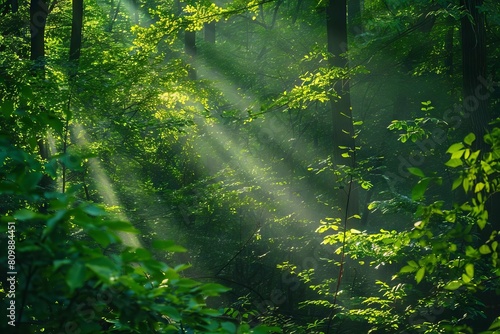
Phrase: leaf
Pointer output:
(416, 171)
(420, 274)
(469, 270)
(470, 251)
(103, 267)
(495, 324)
(453, 285)
(104, 238)
(119, 225)
(469, 139)
(457, 183)
(262, 329)
(418, 191)
(413, 264)
(458, 154)
(484, 249)
(466, 278)
(59, 263)
(7, 108)
(455, 147)
(52, 221)
(213, 289)
(25, 214)
(407, 269)
(76, 276)
(454, 163)
(93, 210)
(229, 327)
(479, 187)
(168, 245)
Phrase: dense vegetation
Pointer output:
(274, 166)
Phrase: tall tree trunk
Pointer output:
(135, 15)
(38, 18)
(474, 67)
(76, 31)
(14, 6)
(343, 129)
(190, 49)
(473, 36)
(74, 57)
(448, 45)
(354, 17)
(210, 32)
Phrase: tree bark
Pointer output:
(38, 18)
(76, 31)
(473, 37)
(14, 6)
(210, 32)
(354, 17)
(343, 129)
(190, 49)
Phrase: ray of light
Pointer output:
(105, 188)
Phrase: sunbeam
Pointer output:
(105, 188)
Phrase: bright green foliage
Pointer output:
(75, 274)
(236, 167)
(447, 250)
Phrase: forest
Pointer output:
(250, 166)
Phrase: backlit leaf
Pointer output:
(453, 285)
(420, 275)
(469, 270)
(484, 249)
(469, 139)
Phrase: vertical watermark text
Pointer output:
(11, 273)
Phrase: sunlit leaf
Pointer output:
(466, 279)
(455, 147)
(469, 270)
(484, 249)
(407, 269)
(420, 275)
(454, 163)
(469, 139)
(457, 183)
(419, 189)
(495, 325)
(453, 285)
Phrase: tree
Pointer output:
(473, 38)
(344, 150)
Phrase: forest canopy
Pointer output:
(235, 166)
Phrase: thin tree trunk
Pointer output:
(448, 44)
